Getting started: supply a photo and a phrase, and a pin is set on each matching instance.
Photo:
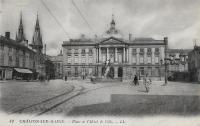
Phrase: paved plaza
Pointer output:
(74, 97)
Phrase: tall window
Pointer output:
(156, 59)
(149, 59)
(90, 52)
(69, 58)
(141, 70)
(76, 51)
(83, 59)
(83, 52)
(141, 59)
(76, 71)
(68, 71)
(10, 60)
(149, 71)
(157, 50)
(76, 58)
(90, 58)
(149, 50)
(134, 59)
(134, 51)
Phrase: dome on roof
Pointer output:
(112, 31)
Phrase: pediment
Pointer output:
(111, 41)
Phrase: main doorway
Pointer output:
(120, 72)
(111, 73)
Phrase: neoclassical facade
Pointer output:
(137, 56)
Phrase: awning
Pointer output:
(23, 70)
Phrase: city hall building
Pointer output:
(83, 58)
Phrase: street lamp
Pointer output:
(166, 74)
(161, 62)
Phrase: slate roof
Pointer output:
(12, 42)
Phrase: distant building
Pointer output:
(177, 64)
(194, 64)
(58, 65)
(88, 57)
(49, 68)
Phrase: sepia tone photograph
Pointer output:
(99, 62)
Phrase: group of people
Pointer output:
(146, 81)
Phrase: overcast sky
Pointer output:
(177, 19)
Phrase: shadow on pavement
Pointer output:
(138, 105)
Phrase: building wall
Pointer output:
(194, 64)
(58, 65)
(14, 56)
(178, 60)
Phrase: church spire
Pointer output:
(20, 36)
(37, 37)
(37, 26)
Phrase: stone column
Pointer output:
(99, 54)
(145, 55)
(87, 56)
(130, 54)
(138, 56)
(94, 55)
(153, 57)
(127, 57)
(107, 54)
(72, 57)
(115, 54)
(79, 56)
(115, 72)
(123, 55)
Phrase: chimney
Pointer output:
(130, 37)
(7, 35)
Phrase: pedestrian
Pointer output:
(136, 80)
(65, 78)
(146, 82)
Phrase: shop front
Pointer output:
(22, 74)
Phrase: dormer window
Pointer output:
(83, 52)
(90, 52)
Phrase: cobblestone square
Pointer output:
(64, 97)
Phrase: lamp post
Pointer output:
(161, 62)
(166, 74)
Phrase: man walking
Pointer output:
(146, 82)
(136, 80)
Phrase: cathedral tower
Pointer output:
(37, 43)
(20, 34)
